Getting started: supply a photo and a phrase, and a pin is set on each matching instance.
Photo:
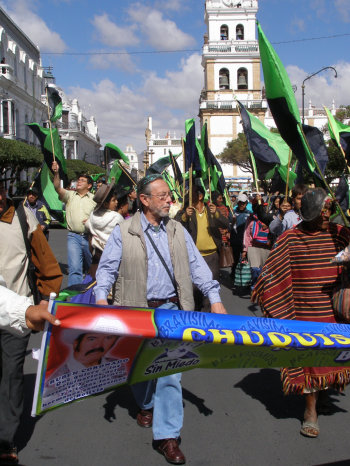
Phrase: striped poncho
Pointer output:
(297, 283)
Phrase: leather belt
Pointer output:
(153, 303)
(80, 234)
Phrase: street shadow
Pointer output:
(27, 424)
(241, 291)
(196, 401)
(255, 309)
(336, 463)
(122, 397)
(266, 387)
(225, 278)
(64, 268)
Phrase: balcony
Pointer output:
(6, 71)
(232, 104)
(165, 142)
(230, 46)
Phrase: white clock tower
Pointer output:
(231, 63)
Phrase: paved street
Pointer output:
(232, 417)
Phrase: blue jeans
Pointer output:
(164, 395)
(79, 257)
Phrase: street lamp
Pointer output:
(308, 77)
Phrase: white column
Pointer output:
(9, 106)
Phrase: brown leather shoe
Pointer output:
(169, 447)
(144, 418)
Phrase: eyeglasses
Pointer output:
(161, 196)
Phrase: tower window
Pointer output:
(224, 32)
(242, 78)
(224, 78)
(240, 32)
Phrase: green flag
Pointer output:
(49, 195)
(54, 102)
(282, 103)
(122, 177)
(159, 166)
(340, 133)
(194, 156)
(51, 145)
(113, 152)
(269, 150)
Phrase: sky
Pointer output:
(148, 56)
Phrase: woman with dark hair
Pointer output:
(275, 205)
(218, 200)
(297, 283)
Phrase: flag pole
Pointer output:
(190, 186)
(323, 178)
(228, 200)
(288, 168)
(126, 173)
(252, 160)
(255, 176)
(209, 184)
(177, 184)
(50, 126)
(184, 171)
(339, 145)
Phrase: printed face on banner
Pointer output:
(92, 351)
(90, 348)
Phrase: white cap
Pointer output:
(242, 198)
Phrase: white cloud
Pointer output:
(179, 89)
(298, 24)
(161, 33)
(326, 11)
(22, 13)
(343, 7)
(319, 6)
(121, 113)
(111, 34)
(324, 87)
(121, 61)
(174, 5)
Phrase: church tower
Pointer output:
(231, 63)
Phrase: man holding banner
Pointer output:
(152, 262)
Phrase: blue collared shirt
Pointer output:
(159, 285)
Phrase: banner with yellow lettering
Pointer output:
(98, 348)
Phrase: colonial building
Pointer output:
(231, 63)
(21, 82)
(133, 157)
(79, 134)
(159, 146)
(23, 100)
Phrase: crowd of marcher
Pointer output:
(141, 249)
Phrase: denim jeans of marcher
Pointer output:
(164, 395)
(79, 257)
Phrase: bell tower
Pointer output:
(231, 63)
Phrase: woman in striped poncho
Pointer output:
(296, 283)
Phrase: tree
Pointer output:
(77, 167)
(16, 156)
(336, 165)
(343, 113)
(237, 153)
